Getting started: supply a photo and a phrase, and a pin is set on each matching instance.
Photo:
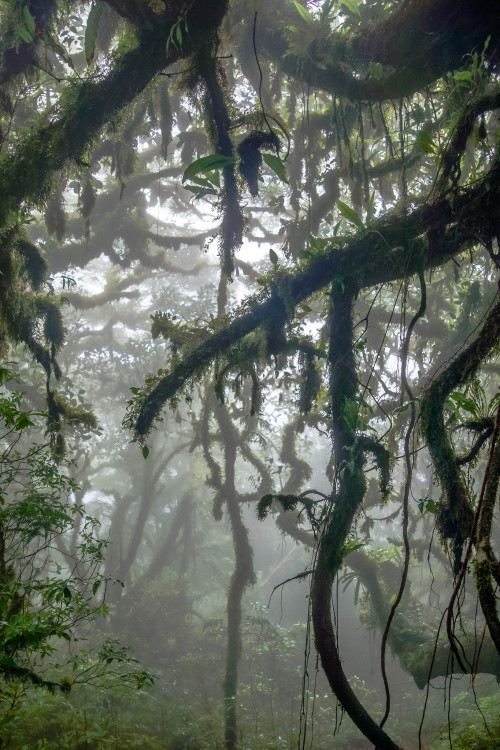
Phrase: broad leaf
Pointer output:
(353, 6)
(24, 34)
(350, 214)
(352, 547)
(277, 166)
(200, 192)
(92, 29)
(206, 164)
(273, 257)
(304, 12)
(178, 35)
(29, 20)
(424, 142)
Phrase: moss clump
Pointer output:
(251, 158)
(310, 382)
(55, 216)
(35, 265)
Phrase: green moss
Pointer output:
(53, 327)
(35, 265)
(455, 513)
(73, 415)
(310, 382)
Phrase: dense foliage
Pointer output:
(261, 241)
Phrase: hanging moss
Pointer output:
(35, 265)
(251, 158)
(256, 401)
(55, 216)
(382, 459)
(287, 503)
(87, 196)
(178, 334)
(310, 382)
(53, 327)
(166, 118)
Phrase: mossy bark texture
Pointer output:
(346, 500)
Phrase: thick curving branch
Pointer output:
(416, 44)
(84, 108)
(392, 248)
(455, 514)
(346, 500)
(486, 565)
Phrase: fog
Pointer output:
(249, 456)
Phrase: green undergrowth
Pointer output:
(93, 719)
(90, 718)
(473, 730)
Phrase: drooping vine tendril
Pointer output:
(409, 473)
(472, 539)
(261, 78)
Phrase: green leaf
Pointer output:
(67, 595)
(29, 20)
(427, 505)
(304, 12)
(463, 76)
(352, 5)
(318, 244)
(206, 164)
(92, 29)
(205, 181)
(200, 192)
(6, 718)
(467, 404)
(24, 34)
(178, 34)
(352, 547)
(7, 661)
(145, 451)
(424, 142)
(402, 408)
(273, 257)
(350, 214)
(277, 166)
(95, 586)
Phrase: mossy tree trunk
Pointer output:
(346, 499)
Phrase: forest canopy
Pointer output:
(249, 271)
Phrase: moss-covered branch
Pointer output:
(346, 500)
(19, 57)
(486, 565)
(84, 108)
(413, 46)
(455, 514)
(392, 248)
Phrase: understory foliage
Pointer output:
(249, 266)
(48, 586)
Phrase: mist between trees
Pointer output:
(249, 389)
